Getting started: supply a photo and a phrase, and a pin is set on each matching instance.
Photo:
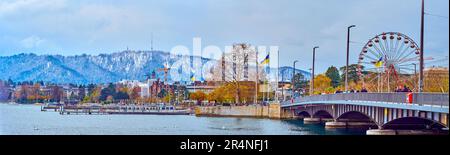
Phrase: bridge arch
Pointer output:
(417, 123)
(323, 114)
(357, 116)
(304, 114)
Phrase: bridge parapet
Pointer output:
(434, 99)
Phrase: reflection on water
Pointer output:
(29, 120)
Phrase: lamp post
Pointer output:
(312, 78)
(293, 75)
(310, 86)
(421, 65)
(415, 75)
(348, 53)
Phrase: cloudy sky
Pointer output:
(105, 26)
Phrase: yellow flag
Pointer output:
(193, 78)
(379, 63)
(266, 60)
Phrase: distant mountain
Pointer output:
(84, 69)
(103, 68)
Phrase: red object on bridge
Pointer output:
(409, 98)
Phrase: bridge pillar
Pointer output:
(381, 132)
(287, 114)
(335, 124)
(349, 124)
(312, 120)
(405, 132)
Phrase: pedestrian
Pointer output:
(406, 89)
(363, 90)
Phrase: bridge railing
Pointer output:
(436, 99)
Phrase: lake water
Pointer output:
(18, 119)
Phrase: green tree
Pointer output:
(86, 99)
(108, 91)
(299, 81)
(135, 93)
(91, 89)
(4, 93)
(82, 92)
(333, 74)
(121, 96)
(352, 73)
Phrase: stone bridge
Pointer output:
(381, 113)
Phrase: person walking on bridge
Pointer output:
(364, 90)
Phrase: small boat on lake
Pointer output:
(148, 109)
(151, 110)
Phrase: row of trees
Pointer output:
(40, 92)
(436, 80)
(32, 94)
(332, 80)
(5, 94)
(111, 93)
(228, 93)
(114, 93)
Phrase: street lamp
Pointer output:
(415, 75)
(348, 53)
(421, 65)
(310, 86)
(312, 78)
(415, 68)
(293, 72)
(293, 75)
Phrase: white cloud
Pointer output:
(32, 42)
(98, 26)
(11, 7)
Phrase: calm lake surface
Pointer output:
(18, 119)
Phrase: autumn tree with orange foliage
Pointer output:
(199, 96)
(321, 84)
(227, 93)
(436, 80)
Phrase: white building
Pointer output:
(130, 83)
(145, 90)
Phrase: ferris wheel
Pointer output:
(388, 58)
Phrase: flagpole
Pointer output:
(278, 72)
(257, 78)
(268, 78)
(193, 80)
(264, 82)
